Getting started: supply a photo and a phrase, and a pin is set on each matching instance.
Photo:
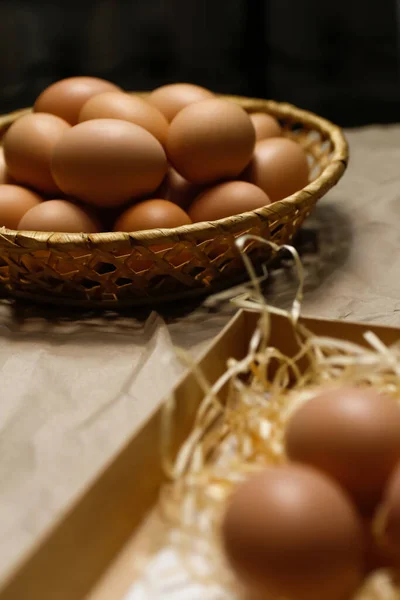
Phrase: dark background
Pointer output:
(339, 59)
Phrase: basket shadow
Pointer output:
(323, 243)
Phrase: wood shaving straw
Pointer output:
(231, 440)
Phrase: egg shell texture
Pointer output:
(106, 162)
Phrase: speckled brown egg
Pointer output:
(28, 147)
(351, 433)
(291, 532)
(114, 105)
(151, 214)
(279, 167)
(106, 162)
(227, 199)
(172, 98)
(15, 201)
(210, 140)
(66, 97)
(265, 125)
(60, 216)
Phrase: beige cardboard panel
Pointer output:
(79, 550)
(75, 554)
(282, 332)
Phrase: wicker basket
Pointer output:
(117, 269)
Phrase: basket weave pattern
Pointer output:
(112, 269)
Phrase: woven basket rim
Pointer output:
(326, 179)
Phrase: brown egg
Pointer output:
(388, 520)
(5, 177)
(15, 201)
(279, 167)
(178, 190)
(290, 532)
(376, 555)
(353, 434)
(154, 214)
(28, 147)
(227, 199)
(265, 125)
(151, 214)
(106, 162)
(114, 105)
(210, 140)
(66, 97)
(59, 216)
(170, 99)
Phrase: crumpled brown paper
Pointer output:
(70, 399)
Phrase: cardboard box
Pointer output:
(89, 553)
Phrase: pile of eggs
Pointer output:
(316, 525)
(91, 157)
